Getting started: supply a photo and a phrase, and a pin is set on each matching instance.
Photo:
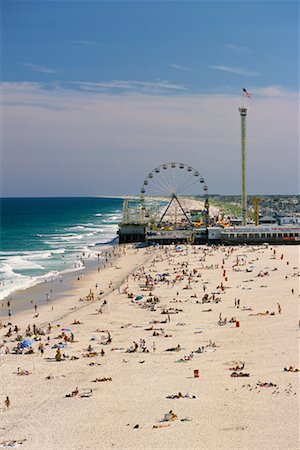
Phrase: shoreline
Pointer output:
(58, 285)
(74, 284)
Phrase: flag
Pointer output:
(246, 93)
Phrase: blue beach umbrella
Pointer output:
(139, 297)
(60, 345)
(26, 343)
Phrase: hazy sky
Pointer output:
(97, 94)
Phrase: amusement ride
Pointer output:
(165, 195)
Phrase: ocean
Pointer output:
(44, 238)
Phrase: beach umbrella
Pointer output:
(60, 345)
(27, 343)
(139, 297)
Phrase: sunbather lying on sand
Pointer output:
(265, 384)
(126, 325)
(23, 372)
(170, 416)
(179, 395)
(200, 350)
(133, 348)
(237, 367)
(161, 425)
(96, 380)
(86, 394)
(291, 369)
(266, 313)
(232, 320)
(12, 443)
(90, 354)
(74, 393)
(186, 358)
(174, 349)
(239, 374)
(212, 344)
(30, 351)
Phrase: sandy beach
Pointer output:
(185, 348)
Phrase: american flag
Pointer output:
(246, 93)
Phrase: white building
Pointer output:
(289, 220)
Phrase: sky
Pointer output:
(96, 94)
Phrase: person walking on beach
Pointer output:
(41, 348)
(279, 308)
(7, 402)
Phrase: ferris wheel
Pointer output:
(172, 182)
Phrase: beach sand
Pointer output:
(259, 411)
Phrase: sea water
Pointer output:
(43, 238)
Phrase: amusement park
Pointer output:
(174, 207)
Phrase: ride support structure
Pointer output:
(243, 113)
(174, 198)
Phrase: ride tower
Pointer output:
(243, 113)
(206, 207)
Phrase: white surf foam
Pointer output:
(20, 282)
(19, 263)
